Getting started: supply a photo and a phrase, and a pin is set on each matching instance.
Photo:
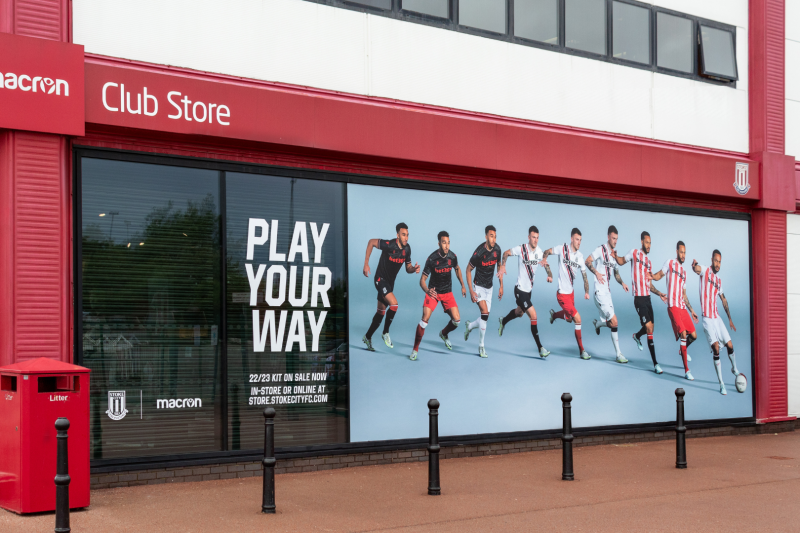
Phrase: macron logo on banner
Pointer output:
(41, 85)
(23, 82)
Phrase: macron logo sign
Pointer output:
(179, 403)
(23, 82)
(41, 85)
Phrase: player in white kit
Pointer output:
(602, 263)
(570, 261)
(716, 332)
(530, 258)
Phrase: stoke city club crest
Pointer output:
(116, 405)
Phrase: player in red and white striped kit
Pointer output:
(716, 333)
(678, 302)
(640, 268)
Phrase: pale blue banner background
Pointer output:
(515, 390)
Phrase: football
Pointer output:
(741, 383)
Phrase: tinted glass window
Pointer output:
(436, 8)
(718, 52)
(586, 25)
(631, 32)
(382, 4)
(536, 20)
(150, 270)
(303, 374)
(674, 42)
(483, 14)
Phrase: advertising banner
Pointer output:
(616, 374)
(41, 85)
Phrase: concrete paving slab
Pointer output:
(743, 483)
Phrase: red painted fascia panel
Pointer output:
(262, 154)
(797, 184)
(358, 126)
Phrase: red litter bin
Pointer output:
(33, 395)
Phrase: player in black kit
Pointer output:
(438, 267)
(394, 253)
(484, 260)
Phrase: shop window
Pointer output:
(489, 15)
(169, 306)
(631, 32)
(310, 373)
(718, 53)
(585, 25)
(434, 8)
(380, 4)
(150, 263)
(536, 20)
(674, 43)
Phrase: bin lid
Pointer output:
(43, 365)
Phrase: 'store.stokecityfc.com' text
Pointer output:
(288, 394)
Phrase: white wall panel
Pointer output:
(793, 313)
(691, 112)
(793, 78)
(793, 128)
(793, 379)
(793, 259)
(303, 43)
(278, 40)
(793, 225)
(793, 20)
(793, 70)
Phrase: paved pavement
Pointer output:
(743, 483)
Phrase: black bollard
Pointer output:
(268, 497)
(62, 477)
(566, 439)
(433, 449)
(680, 432)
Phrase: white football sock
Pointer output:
(615, 339)
(732, 357)
(475, 323)
(483, 330)
(718, 368)
(601, 323)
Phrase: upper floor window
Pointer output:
(586, 25)
(718, 57)
(434, 8)
(674, 45)
(628, 32)
(489, 15)
(536, 20)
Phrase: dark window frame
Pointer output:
(532, 42)
(451, 23)
(692, 40)
(562, 38)
(610, 45)
(701, 69)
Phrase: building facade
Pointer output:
(198, 241)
